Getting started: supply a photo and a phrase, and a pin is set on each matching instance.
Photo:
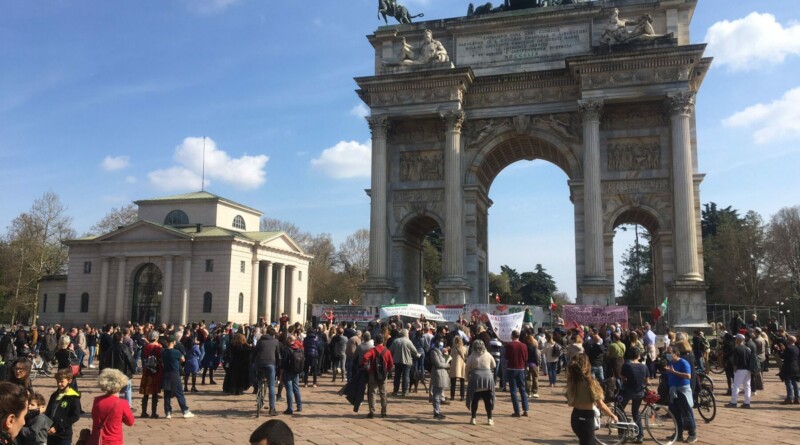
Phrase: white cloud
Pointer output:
(112, 163)
(345, 160)
(752, 42)
(245, 172)
(360, 110)
(778, 120)
(130, 179)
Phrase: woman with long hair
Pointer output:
(13, 408)
(192, 363)
(584, 393)
(458, 362)
(551, 356)
(212, 347)
(20, 374)
(152, 373)
(480, 372)
(237, 376)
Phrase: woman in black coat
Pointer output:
(237, 376)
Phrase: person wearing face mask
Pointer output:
(679, 374)
(36, 424)
(13, 409)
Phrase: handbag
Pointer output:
(74, 366)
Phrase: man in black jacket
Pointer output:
(119, 357)
(596, 351)
(266, 357)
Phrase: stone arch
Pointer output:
(643, 215)
(511, 146)
(418, 224)
(408, 254)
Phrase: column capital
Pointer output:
(681, 103)
(454, 120)
(279, 266)
(378, 125)
(255, 261)
(590, 109)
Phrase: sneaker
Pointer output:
(638, 440)
(314, 385)
(515, 415)
(746, 405)
(730, 405)
(536, 395)
(154, 416)
(289, 412)
(273, 412)
(188, 415)
(370, 416)
(524, 414)
(692, 438)
(439, 416)
(473, 421)
(168, 416)
(490, 422)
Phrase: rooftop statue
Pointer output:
(390, 8)
(513, 5)
(429, 51)
(620, 31)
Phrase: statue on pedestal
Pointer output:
(430, 51)
(390, 8)
(619, 31)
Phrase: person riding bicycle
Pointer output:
(266, 357)
(634, 382)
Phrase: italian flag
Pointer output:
(553, 305)
(661, 310)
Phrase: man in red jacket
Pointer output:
(517, 357)
(377, 378)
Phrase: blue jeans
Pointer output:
(81, 354)
(128, 390)
(269, 372)
(178, 395)
(597, 372)
(551, 372)
(516, 378)
(402, 373)
(92, 353)
(292, 384)
(791, 389)
(137, 357)
(684, 415)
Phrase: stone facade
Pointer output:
(212, 265)
(541, 83)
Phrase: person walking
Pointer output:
(403, 354)
(312, 345)
(378, 362)
(458, 365)
(552, 354)
(349, 352)
(212, 348)
(790, 371)
(339, 354)
(237, 375)
(172, 359)
(152, 373)
(584, 393)
(740, 357)
(119, 358)
(439, 378)
(109, 413)
(479, 370)
(293, 362)
(517, 359)
(679, 375)
(532, 374)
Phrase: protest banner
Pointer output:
(449, 312)
(586, 315)
(344, 312)
(504, 324)
(409, 310)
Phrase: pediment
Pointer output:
(143, 231)
(283, 242)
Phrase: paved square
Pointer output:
(328, 419)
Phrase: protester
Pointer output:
(152, 373)
(403, 354)
(790, 371)
(21, 374)
(583, 394)
(378, 362)
(479, 371)
(172, 359)
(266, 357)
(119, 358)
(741, 376)
(679, 375)
(458, 363)
(439, 378)
(13, 409)
(237, 375)
(210, 361)
(634, 383)
(339, 344)
(292, 363)
(192, 364)
(517, 359)
(109, 413)
(552, 354)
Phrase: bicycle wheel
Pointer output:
(706, 404)
(706, 382)
(260, 399)
(716, 364)
(607, 432)
(660, 424)
(34, 374)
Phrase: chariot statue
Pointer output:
(390, 8)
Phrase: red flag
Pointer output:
(553, 305)
(497, 298)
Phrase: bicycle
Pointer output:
(261, 395)
(715, 361)
(706, 403)
(40, 367)
(659, 422)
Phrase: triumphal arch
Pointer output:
(605, 90)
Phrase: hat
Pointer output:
(739, 337)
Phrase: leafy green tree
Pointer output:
(637, 272)
(537, 287)
(432, 264)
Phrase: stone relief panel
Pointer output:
(635, 77)
(421, 166)
(417, 202)
(416, 131)
(413, 96)
(626, 154)
(521, 96)
(632, 117)
(653, 193)
(564, 125)
(478, 131)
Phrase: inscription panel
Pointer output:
(526, 45)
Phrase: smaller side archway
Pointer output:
(409, 255)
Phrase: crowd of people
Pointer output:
(599, 363)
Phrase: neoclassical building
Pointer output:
(189, 257)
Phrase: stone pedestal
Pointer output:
(687, 304)
(453, 291)
(597, 293)
(378, 292)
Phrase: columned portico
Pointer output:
(266, 284)
(166, 296)
(291, 310)
(254, 270)
(280, 291)
(186, 288)
(453, 287)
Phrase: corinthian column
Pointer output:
(592, 204)
(378, 125)
(454, 197)
(681, 106)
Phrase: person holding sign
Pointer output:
(517, 357)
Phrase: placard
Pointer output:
(410, 310)
(586, 315)
(503, 325)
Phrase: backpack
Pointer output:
(295, 360)
(556, 351)
(151, 364)
(380, 367)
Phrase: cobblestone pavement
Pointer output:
(328, 419)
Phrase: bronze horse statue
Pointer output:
(390, 8)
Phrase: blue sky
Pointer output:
(107, 102)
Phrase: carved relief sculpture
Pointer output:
(421, 166)
(429, 51)
(619, 31)
(633, 154)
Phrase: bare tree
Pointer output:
(34, 242)
(784, 247)
(114, 219)
(354, 257)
